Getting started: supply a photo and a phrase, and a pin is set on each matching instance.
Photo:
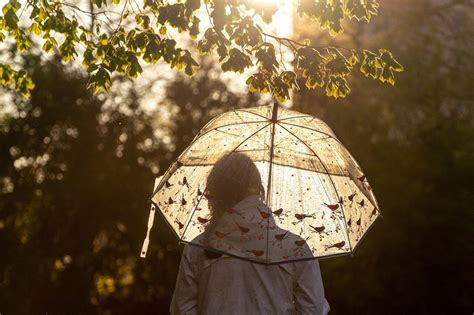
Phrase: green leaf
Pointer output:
(361, 9)
(153, 50)
(67, 49)
(134, 68)
(237, 61)
(387, 59)
(34, 12)
(99, 3)
(307, 56)
(369, 64)
(337, 87)
(337, 64)
(257, 82)
(20, 79)
(315, 76)
(47, 46)
(189, 63)
(11, 20)
(34, 28)
(22, 40)
(100, 80)
(266, 58)
(388, 65)
(354, 58)
(88, 57)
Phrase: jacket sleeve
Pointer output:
(185, 296)
(308, 289)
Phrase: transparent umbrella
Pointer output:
(315, 200)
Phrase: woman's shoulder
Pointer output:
(195, 250)
(192, 250)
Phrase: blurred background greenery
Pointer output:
(76, 172)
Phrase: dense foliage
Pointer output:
(110, 44)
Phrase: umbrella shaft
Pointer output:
(275, 112)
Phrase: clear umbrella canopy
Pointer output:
(315, 201)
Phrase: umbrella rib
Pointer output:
(229, 125)
(228, 133)
(205, 188)
(252, 113)
(296, 117)
(318, 131)
(330, 178)
(238, 115)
